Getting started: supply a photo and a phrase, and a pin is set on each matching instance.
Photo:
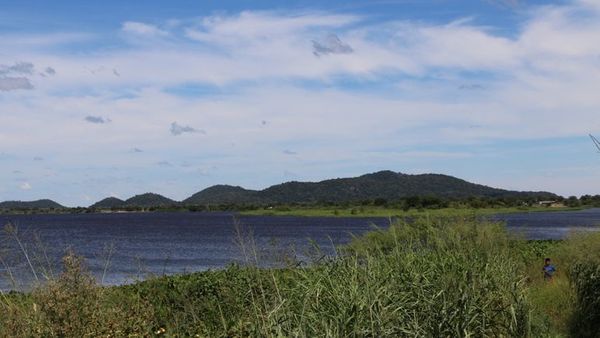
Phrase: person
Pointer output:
(548, 269)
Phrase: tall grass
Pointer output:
(434, 277)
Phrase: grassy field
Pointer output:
(440, 276)
(375, 211)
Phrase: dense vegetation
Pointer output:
(39, 204)
(109, 203)
(392, 192)
(224, 195)
(436, 277)
(146, 200)
(383, 185)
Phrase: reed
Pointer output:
(450, 276)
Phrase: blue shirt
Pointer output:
(549, 270)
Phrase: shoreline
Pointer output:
(374, 275)
(356, 211)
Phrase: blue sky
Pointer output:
(118, 98)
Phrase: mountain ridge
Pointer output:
(36, 204)
(387, 185)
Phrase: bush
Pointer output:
(585, 277)
(74, 306)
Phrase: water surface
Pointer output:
(142, 244)
(123, 247)
(551, 224)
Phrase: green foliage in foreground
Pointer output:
(437, 277)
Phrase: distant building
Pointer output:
(551, 204)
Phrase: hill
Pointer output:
(223, 194)
(386, 185)
(149, 200)
(108, 203)
(39, 204)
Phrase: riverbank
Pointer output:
(303, 211)
(374, 211)
(439, 276)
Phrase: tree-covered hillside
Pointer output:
(148, 200)
(39, 204)
(109, 203)
(386, 185)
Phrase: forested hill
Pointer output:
(224, 194)
(109, 203)
(383, 185)
(150, 200)
(147, 200)
(386, 185)
(39, 204)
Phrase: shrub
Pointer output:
(74, 306)
(585, 277)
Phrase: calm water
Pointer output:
(141, 244)
(551, 225)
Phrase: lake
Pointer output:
(142, 244)
(124, 247)
(551, 224)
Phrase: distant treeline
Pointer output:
(407, 203)
(384, 189)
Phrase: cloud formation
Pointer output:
(17, 68)
(18, 75)
(97, 119)
(428, 88)
(14, 83)
(142, 29)
(265, 26)
(177, 129)
(164, 164)
(473, 86)
(25, 186)
(331, 44)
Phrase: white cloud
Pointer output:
(257, 26)
(25, 186)
(539, 82)
(236, 48)
(143, 29)
(456, 45)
